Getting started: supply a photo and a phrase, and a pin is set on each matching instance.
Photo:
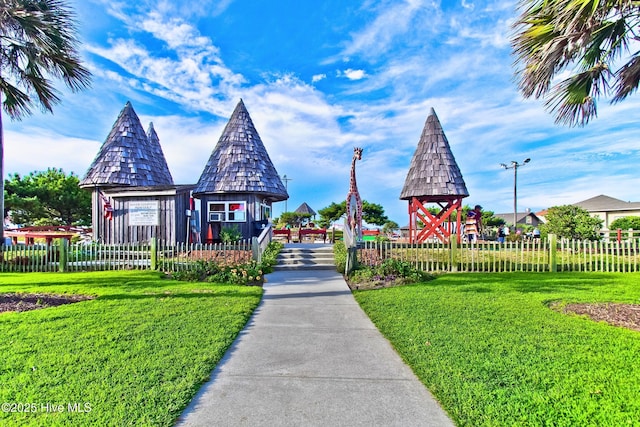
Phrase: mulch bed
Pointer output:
(624, 315)
(26, 302)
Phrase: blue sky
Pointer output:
(320, 77)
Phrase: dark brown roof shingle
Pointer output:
(128, 157)
(304, 208)
(433, 172)
(240, 163)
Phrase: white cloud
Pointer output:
(467, 4)
(33, 150)
(317, 77)
(393, 19)
(191, 73)
(353, 74)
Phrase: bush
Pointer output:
(391, 272)
(340, 256)
(230, 234)
(241, 274)
(198, 271)
(381, 238)
(270, 255)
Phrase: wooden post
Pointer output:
(154, 253)
(553, 253)
(453, 253)
(64, 252)
(255, 249)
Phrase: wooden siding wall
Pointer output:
(246, 228)
(172, 216)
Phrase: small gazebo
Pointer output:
(304, 208)
(434, 177)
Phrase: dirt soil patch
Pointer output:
(26, 302)
(624, 315)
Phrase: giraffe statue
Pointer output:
(354, 203)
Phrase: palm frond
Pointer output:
(582, 36)
(574, 99)
(38, 43)
(628, 78)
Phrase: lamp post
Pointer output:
(286, 188)
(515, 165)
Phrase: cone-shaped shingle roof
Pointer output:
(127, 157)
(156, 150)
(434, 172)
(304, 208)
(239, 162)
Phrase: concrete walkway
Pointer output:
(309, 356)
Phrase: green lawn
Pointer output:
(494, 354)
(135, 355)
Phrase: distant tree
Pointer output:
(332, 213)
(372, 213)
(389, 227)
(572, 222)
(47, 198)
(593, 37)
(294, 219)
(489, 220)
(37, 42)
(626, 223)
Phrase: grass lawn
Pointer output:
(135, 355)
(494, 354)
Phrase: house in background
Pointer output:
(528, 218)
(608, 209)
(133, 194)
(239, 183)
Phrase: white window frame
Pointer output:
(228, 210)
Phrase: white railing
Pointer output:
(260, 243)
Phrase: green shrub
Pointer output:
(381, 238)
(270, 256)
(389, 273)
(241, 274)
(197, 271)
(340, 256)
(230, 234)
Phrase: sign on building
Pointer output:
(144, 213)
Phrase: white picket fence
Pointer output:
(527, 255)
(96, 257)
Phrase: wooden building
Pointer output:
(133, 194)
(434, 178)
(239, 183)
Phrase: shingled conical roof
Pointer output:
(434, 172)
(304, 208)
(128, 157)
(156, 150)
(239, 162)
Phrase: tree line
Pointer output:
(48, 197)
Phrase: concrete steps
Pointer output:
(305, 256)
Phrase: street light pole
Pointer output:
(515, 165)
(286, 188)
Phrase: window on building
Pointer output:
(227, 211)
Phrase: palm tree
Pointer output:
(37, 43)
(586, 37)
